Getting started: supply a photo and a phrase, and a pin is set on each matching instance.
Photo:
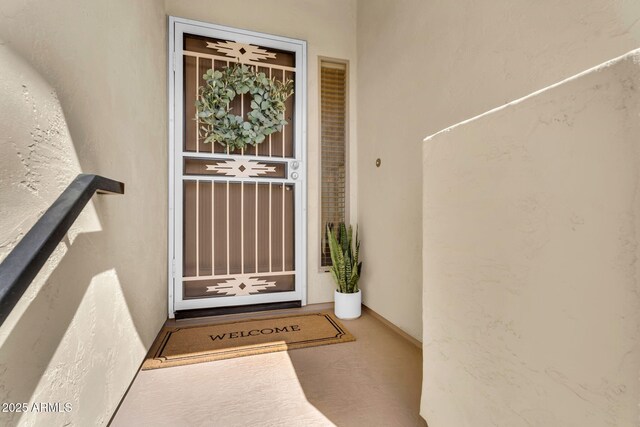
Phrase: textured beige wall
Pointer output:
(425, 65)
(83, 89)
(328, 26)
(531, 280)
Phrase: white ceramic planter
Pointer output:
(348, 306)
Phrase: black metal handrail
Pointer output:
(25, 260)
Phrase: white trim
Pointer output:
(225, 276)
(222, 301)
(176, 110)
(224, 156)
(241, 33)
(301, 185)
(236, 179)
(177, 27)
(198, 55)
(170, 100)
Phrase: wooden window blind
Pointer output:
(333, 142)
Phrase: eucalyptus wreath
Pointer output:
(218, 124)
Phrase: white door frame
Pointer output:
(177, 27)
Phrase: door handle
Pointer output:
(294, 165)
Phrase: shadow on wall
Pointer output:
(81, 330)
(47, 324)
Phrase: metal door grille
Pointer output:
(239, 209)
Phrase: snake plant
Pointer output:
(345, 267)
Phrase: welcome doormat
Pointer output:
(196, 344)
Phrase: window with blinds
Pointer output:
(333, 142)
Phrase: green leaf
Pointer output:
(220, 125)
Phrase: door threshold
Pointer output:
(220, 311)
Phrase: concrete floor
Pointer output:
(374, 381)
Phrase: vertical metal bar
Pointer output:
(197, 227)
(283, 226)
(242, 115)
(228, 151)
(256, 184)
(255, 146)
(228, 254)
(213, 226)
(197, 119)
(242, 227)
(270, 134)
(270, 247)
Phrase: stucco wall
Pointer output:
(425, 65)
(531, 288)
(83, 89)
(329, 28)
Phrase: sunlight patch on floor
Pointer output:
(256, 390)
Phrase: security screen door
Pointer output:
(238, 230)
